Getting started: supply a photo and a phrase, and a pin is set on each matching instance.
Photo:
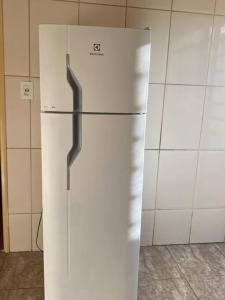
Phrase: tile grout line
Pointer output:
(181, 273)
(79, 12)
(150, 83)
(220, 251)
(160, 139)
(24, 213)
(202, 122)
(145, 8)
(6, 136)
(186, 209)
(30, 79)
(126, 11)
(149, 270)
(164, 149)
(23, 288)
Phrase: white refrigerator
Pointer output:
(94, 90)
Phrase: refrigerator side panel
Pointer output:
(56, 94)
(56, 143)
(104, 212)
(112, 67)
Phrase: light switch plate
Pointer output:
(26, 90)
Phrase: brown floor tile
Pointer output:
(22, 270)
(4, 295)
(170, 289)
(23, 294)
(198, 260)
(2, 259)
(158, 263)
(209, 288)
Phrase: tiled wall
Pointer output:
(184, 188)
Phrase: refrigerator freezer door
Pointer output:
(99, 222)
(112, 66)
(56, 93)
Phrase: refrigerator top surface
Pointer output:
(106, 70)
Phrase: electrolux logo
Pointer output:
(97, 49)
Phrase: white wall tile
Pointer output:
(20, 232)
(208, 226)
(213, 129)
(217, 58)
(150, 179)
(147, 225)
(16, 37)
(172, 227)
(154, 116)
(17, 114)
(158, 4)
(102, 15)
(35, 222)
(176, 179)
(189, 48)
(210, 187)
(183, 110)
(50, 12)
(36, 180)
(159, 22)
(201, 6)
(35, 116)
(220, 7)
(188, 60)
(19, 180)
(109, 2)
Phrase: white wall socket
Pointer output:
(26, 90)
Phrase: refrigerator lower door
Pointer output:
(56, 143)
(95, 225)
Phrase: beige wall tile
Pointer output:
(109, 2)
(20, 232)
(17, 114)
(102, 15)
(35, 116)
(36, 181)
(159, 4)
(19, 180)
(35, 222)
(48, 12)
(202, 6)
(220, 7)
(16, 37)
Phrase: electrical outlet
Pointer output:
(26, 90)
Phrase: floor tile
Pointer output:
(21, 274)
(209, 288)
(221, 248)
(197, 261)
(2, 260)
(170, 289)
(4, 295)
(23, 294)
(157, 263)
(22, 270)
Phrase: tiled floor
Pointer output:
(172, 272)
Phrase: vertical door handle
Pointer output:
(76, 119)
